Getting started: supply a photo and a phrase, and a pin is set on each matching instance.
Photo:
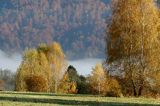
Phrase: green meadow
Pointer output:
(49, 99)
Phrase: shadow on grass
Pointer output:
(48, 94)
(70, 102)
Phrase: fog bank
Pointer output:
(12, 62)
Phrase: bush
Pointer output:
(113, 88)
(126, 86)
(67, 86)
(36, 83)
(73, 88)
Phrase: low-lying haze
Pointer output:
(12, 62)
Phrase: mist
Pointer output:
(10, 62)
(84, 66)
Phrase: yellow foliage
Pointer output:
(133, 40)
(66, 86)
(36, 83)
(97, 79)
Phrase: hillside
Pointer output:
(79, 25)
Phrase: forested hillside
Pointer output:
(79, 25)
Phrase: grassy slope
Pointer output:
(48, 99)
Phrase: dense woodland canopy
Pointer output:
(79, 24)
(44, 21)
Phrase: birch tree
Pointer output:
(97, 79)
(57, 62)
(132, 41)
(33, 64)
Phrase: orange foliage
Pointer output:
(36, 83)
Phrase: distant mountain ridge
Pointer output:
(79, 25)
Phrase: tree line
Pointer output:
(44, 69)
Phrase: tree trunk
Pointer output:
(99, 89)
(140, 91)
(141, 87)
(56, 87)
(134, 89)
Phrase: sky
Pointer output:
(84, 66)
(9, 62)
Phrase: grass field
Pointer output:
(48, 99)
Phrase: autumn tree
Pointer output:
(29, 65)
(112, 87)
(45, 70)
(47, 61)
(132, 43)
(66, 85)
(97, 79)
(33, 63)
(58, 63)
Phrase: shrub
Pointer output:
(126, 86)
(67, 86)
(73, 88)
(36, 83)
(113, 88)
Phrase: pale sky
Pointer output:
(84, 66)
